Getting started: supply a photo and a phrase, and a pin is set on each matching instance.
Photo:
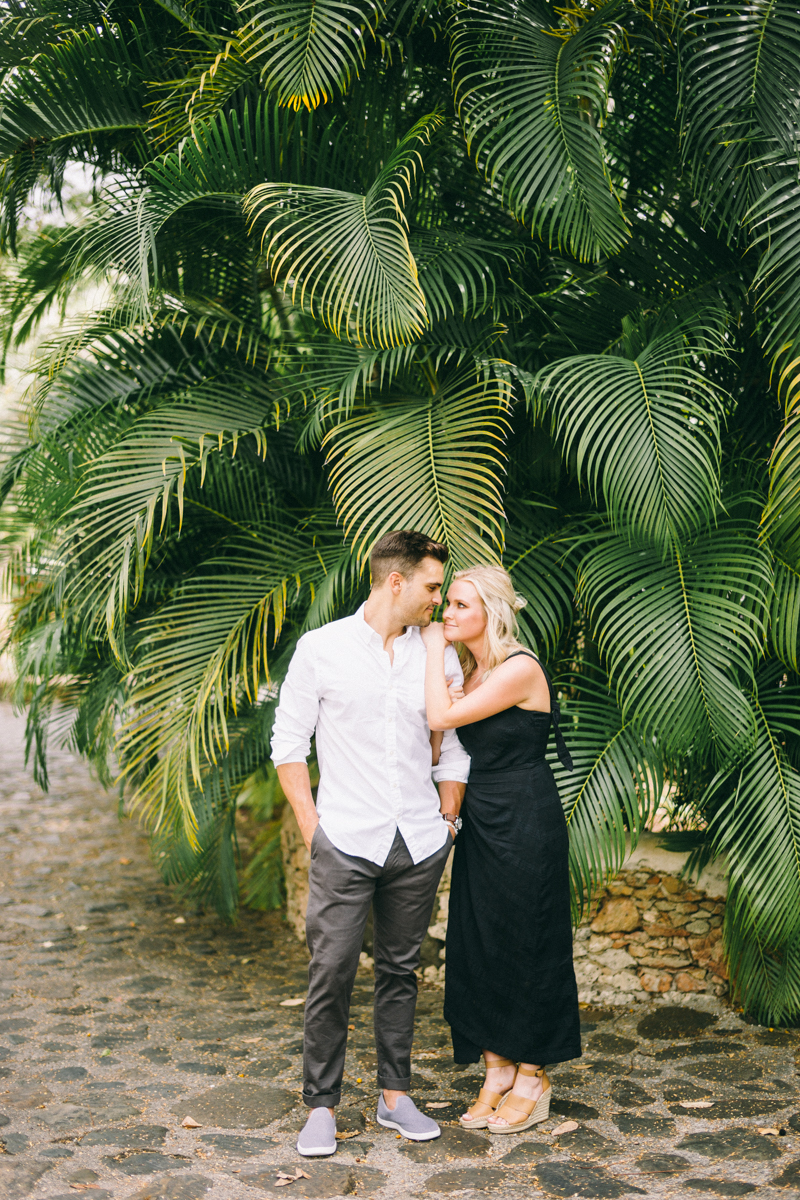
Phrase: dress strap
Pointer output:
(565, 758)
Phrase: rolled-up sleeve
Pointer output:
(454, 761)
(298, 708)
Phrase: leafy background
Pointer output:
(522, 276)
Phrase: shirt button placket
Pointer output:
(391, 746)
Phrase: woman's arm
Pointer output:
(519, 681)
(456, 692)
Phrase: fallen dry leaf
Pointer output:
(438, 1104)
(190, 1123)
(695, 1103)
(284, 1180)
(564, 1127)
(343, 1137)
(769, 1132)
(293, 1003)
(125, 862)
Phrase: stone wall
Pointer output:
(647, 932)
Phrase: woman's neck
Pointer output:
(479, 651)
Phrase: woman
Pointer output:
(510, 989)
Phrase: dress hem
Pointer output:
(470, 1051)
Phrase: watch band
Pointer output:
(453, 820)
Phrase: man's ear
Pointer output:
(395, 581)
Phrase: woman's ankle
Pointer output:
(500, 1073)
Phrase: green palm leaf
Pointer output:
(765, 977)
(209, 87)
(459, 274)
(757, 824)
(309, 48)
(200, 654)
(345, 258)
(784, 613)
(776, 223)
(611, 791)
(128, 492)
(680, 635)
(781, 522)
(531, 99)
(431, 463)
(89, 84)
(740, 95)
(644, 429)
(541, 556)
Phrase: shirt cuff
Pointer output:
(450, 774)
(298, 755)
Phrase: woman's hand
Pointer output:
(454, 690)
(433, 635)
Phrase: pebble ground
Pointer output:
(122, 1013)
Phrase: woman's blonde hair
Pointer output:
(501, 605)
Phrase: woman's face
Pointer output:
(464, 618)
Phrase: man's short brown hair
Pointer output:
(402, 550)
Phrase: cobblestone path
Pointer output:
(122, 1016)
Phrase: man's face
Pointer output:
(420, 594)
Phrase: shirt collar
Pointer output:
(368, 634)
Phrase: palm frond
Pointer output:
(213, 80)
(431, 463)
(784, 613)
(345, 258)
(781, 521)
(609, 795)
(541, 556)
(200, 655)
(309, 48)
(776, 224)
(740, 96)
(88, 84)
(458, 274)
(128, 492)
(757, 824)
(681, 634)
(643, 427)
(531, 99)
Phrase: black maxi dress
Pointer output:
(510, 983)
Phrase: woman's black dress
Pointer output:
(509, 983)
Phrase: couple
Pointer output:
(374, 687)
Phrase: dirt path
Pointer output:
(122, 1013)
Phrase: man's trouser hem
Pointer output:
(394, 1084)
(329, 1101)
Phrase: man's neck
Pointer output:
(381, 617)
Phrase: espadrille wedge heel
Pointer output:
(488, 1102)
(519, 1113)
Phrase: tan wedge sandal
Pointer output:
(521, 1113)
(487, 1102)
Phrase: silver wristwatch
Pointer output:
(456, 822)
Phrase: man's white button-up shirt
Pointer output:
(373, 739)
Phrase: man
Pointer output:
(377, 834)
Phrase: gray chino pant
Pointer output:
(341, 889)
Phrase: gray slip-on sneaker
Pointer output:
(406, 1118)
(318, 1135)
